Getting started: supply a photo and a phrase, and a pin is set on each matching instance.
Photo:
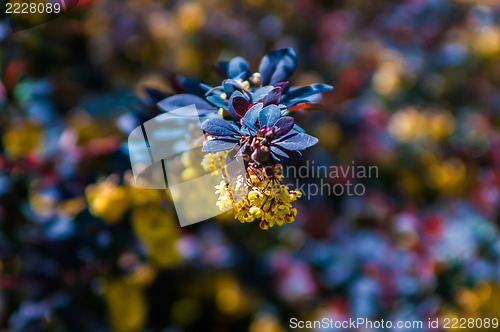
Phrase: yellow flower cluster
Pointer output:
(266, 200)
(214, 161)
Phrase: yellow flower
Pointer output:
(267, 200)
(108, 200)
(256, 211)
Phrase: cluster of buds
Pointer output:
(267, 200)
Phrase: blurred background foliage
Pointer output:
(417, 94)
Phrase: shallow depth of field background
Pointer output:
(417, 93)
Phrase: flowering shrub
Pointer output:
(258, 130)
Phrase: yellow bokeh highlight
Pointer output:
(108, 200)
(159, 232)
(486, 42)
(389, 73)
(21, 138)
(125, 300)
(448, 176)
(410, 183)
(185, 311)
(229, 297)
(411, 124)
(188, 60)
(266, 323)
(190, 16)
(478, 302)
(329, 134)
(387, 78)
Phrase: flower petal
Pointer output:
(277, 66)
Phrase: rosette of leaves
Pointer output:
(274, 71)
(249, 115)
(260, 132)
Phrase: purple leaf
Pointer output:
(238, 67)
(296, 141)
(277, 66)
(261, 92)
(251, 116)
(284, 86)
(219, 127)
(273, 97)
(178, 101)
(283, 126)
(230, 86)
(269, 115)
(277, 151)
(238, 105)
(218, 101)
(285, 153)
(219, 144)
(305, 94)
